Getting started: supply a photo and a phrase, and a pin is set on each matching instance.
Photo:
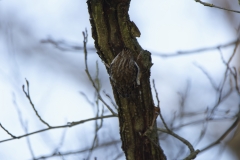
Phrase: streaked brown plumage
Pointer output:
(123, 72)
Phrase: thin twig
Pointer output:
(234, 71)
(183, 99)
(65, 46)
(88, 100)
(200, 121)
(28, 141)
(78, 151)
(113, 103)
(214, 6)
(56, 150)
(193, 153)
(222, 97)
(186, 142)
(85, 35)
(29, 98)
(24, 126)
(70, 124)
(236, 79)
(158, 105)
(235, 123)
(90, 119)
(7, 131)
(180, 53)
(207, 75)
(203, 132)
(97, 128)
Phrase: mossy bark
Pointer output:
(112, 30)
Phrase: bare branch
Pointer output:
(88, 100)
(7, 131)
(156, 93)
(97, 128)
(236, 79)
(193, 153)
(222, 97)
(180, 53)
(85, 35)
(160, 114)
(24, 126)
(186, 142)
(78, 151)
(113, 103)
(214, 6)
(233, 70)
(29, 98)
(65, 46)
(201, 121)
(208, 76)
(56, 150)
(70, 124)
(235, 123)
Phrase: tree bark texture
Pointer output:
(112, 30)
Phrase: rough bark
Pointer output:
(112, 30)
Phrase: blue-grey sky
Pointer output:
(57, 77)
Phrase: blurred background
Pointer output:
(41, 41)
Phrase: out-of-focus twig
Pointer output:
(113, 103)
(79, 151)
(235, 123)
(85, 35)
(88, 100)
(56, 150)
(232, 70)
(183, 100)
(222, 96)
(24, 126)
(97, 125)
(208, 76)
(158, 105)
(180, 53)
(193, 153)
(65, 46)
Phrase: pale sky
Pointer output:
(57, 77)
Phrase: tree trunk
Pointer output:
(112, 30)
